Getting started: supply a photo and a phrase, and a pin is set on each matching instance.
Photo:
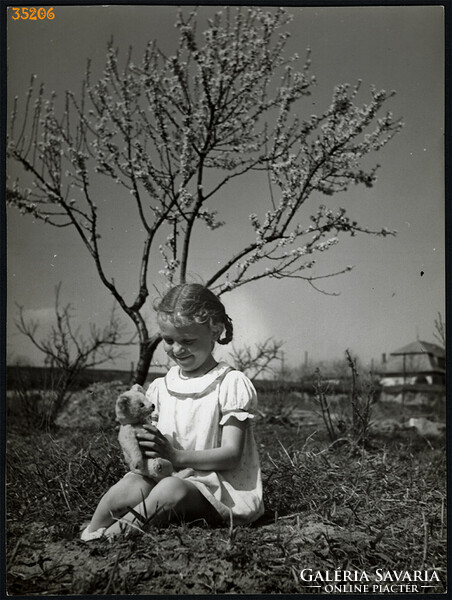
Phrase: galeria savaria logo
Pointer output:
(380, 581)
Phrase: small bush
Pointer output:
(92, 408)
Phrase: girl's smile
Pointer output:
(190, 346)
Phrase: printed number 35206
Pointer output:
(32, 13)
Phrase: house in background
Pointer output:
(418, 363)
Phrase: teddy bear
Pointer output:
(132, 411)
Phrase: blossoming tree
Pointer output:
(172, 131)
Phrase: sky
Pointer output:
(397, 286)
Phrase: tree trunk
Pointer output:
(147, 350)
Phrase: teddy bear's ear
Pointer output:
(137, 388)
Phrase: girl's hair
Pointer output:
(194, 303)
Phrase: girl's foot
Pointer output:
(88, 535)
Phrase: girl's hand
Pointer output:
(154, 444)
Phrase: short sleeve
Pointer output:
(238, 397)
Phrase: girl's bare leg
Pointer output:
(127, 493)
(172, 499)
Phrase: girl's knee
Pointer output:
(126, 491)
(172, 493)
(181, 499)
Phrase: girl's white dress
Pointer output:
(191, 413)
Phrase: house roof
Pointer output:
(420, 347)
(416, 358)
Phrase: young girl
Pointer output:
(205, 410)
